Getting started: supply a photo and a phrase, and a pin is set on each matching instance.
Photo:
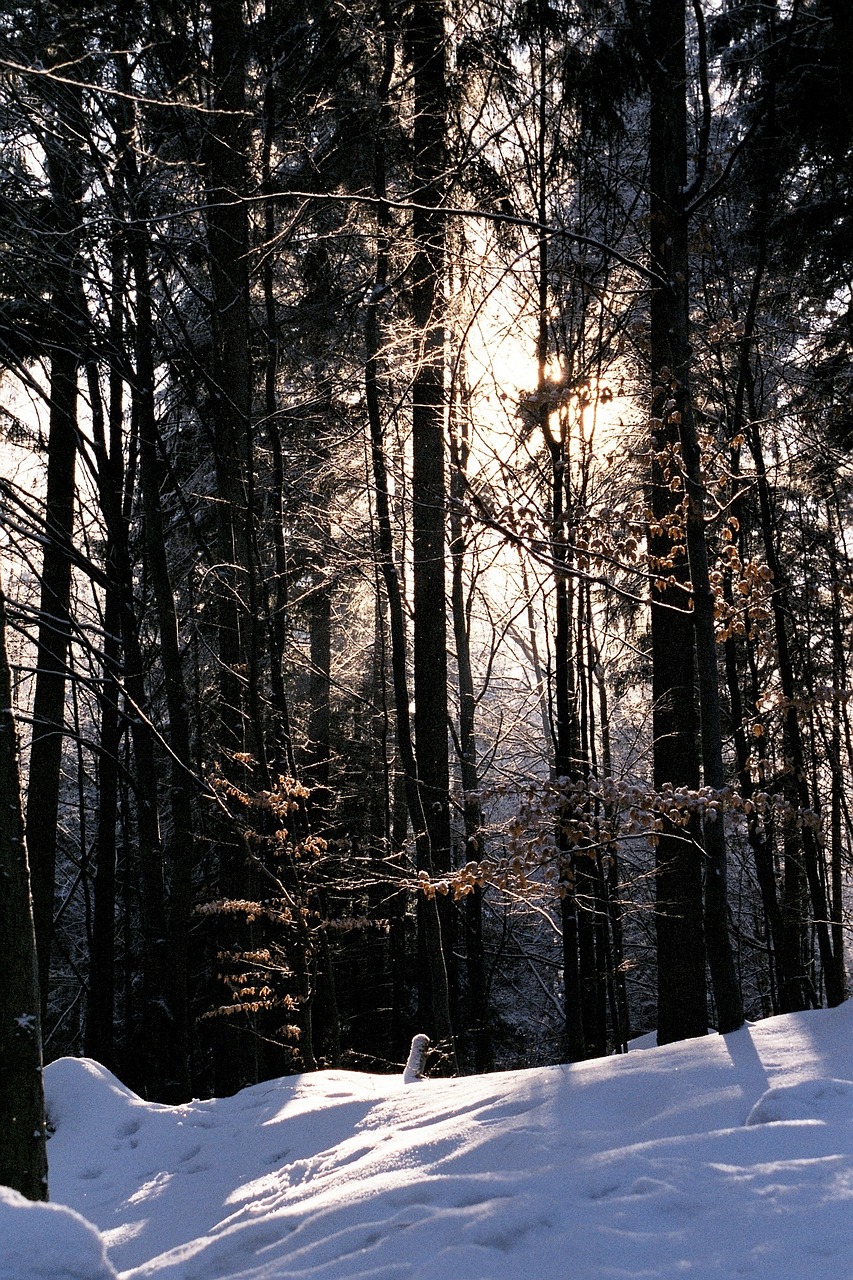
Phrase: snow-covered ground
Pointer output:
(727, 1156)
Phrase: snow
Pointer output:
(48, 1242)
(727, 1156)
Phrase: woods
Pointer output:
(425, 500)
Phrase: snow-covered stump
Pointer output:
(414, 1068)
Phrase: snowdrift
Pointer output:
(721, 1157)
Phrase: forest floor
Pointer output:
(727, 1156)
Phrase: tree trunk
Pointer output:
(99, 1040)
(478, 1019)
(226, 161)
(319, 748)
(682, 1008)
(842, 26)
(564, 727)
(44, 773)
(721, 960)
(226, 153)
(762, 850)
(181, 848)
(831, 962)
(153, 1068)
(428, 45)
(23, 1149)
(434, 976)
(276, 604)
(839, 684)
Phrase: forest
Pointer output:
(425, 490)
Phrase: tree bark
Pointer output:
(226, 161)
(721, 960)
(433, 979)
(428, 46)
(682, 1008)
(181, 847)
(225, 157)
(564, 724)
(478, 1018)
(277, 602)
(794, 749)
(99, 1040)
(154, 1072)
(44, 773)
(839, 684)
(23, 1149)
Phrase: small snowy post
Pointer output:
(413, 1069)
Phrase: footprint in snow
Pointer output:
(127, 1131)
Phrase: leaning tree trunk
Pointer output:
(23, 1148)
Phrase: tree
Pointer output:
(61, 133)
(23, 1151)
(428, 41)
(797, 175)
(679, 640)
